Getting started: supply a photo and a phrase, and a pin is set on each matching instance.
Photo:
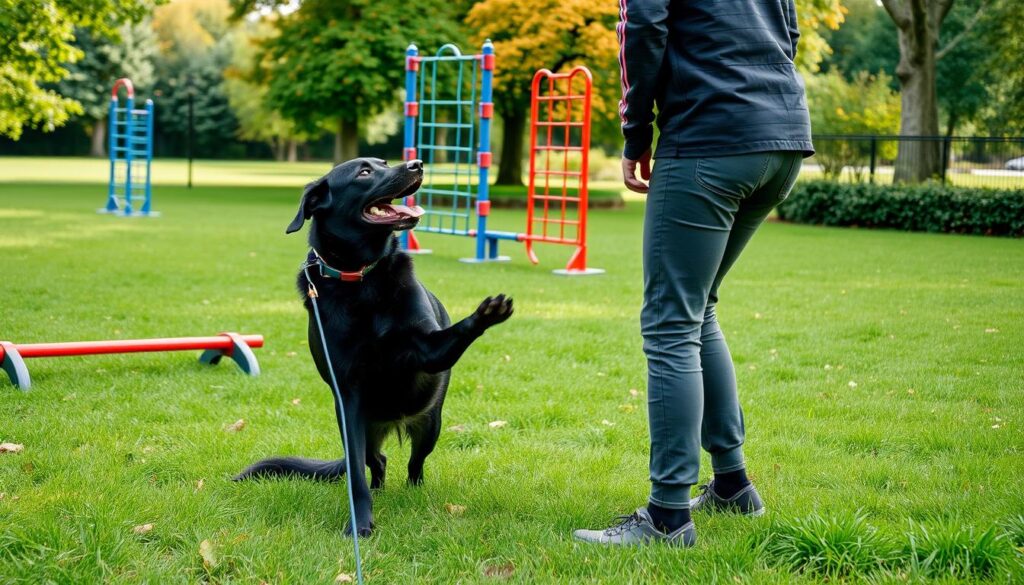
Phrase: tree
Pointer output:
(919, 23)
(814, 17)
(257, 120)
(543, 34)
(89, 80)
(866, 105)
(340, 62)
(35, 48)
(196, 42)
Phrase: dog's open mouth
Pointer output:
(384, 212)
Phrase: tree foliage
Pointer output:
(196, 43)
(545, 34)
(36, 47)
(339, 62)
(866, 105)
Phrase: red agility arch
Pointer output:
(556, 208)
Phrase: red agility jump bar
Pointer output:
(237, 347)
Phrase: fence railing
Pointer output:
(968, 161)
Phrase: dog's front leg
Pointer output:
(438, 351)
(356, 454)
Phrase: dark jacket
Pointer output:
(721, 73)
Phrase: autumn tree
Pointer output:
(36, 44)
(542, 34)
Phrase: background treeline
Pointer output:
(323, 79)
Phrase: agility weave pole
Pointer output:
(232, 345)
(558, 215)
(130, 142)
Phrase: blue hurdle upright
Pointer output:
(448, 112)
(130, 142)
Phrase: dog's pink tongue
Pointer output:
(415, 211)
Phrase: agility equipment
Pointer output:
(559, 139)
(448, 115)
(455, 94)
(130, 142)
(237, 347)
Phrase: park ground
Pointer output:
(881, 374)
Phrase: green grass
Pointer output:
(880, 373)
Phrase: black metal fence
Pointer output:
(954, 160)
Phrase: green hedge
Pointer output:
(919, 208)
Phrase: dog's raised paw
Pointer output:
(494, 310)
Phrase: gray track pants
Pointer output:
(700, 215)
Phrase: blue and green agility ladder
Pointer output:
(131, 155)
(433, 112)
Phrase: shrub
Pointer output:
(918, 208)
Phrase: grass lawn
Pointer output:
(881, 373)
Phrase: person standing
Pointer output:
(734, 129)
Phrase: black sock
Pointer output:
(668, 520)
(729, 484)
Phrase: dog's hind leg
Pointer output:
(424, 434)
(356, 442)
(375, 459)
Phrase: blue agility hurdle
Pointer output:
(130, 138)
(455, 187)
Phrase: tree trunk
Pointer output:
(99, 138)
(512, 141)
(346, 141)
(293, 150)
(918, 23)
(277, 146)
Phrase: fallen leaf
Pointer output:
(757, 315)
(633, 392)
(502, 571)
(209, 556)
(142, 528)
(910, 391)
(508, 358)
(296, 401)
(69, 397)
(601, 374)
(344, 578)
(497, 424)
(237, 426)
(627, 407)
(996, 426)
(991, 330)
(199, 484)
(828, 366)
(11, 448)
(852, 384)
(457, 428)
(607, 423)
(291, 353)
(455, 509)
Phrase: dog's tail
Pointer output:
(317, 469)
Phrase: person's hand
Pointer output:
(629, 172)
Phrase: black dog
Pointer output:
(390, 340)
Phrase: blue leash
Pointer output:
(339, 411)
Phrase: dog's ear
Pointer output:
(316, 196)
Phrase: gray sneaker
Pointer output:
(747, 501)
(638, 529)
